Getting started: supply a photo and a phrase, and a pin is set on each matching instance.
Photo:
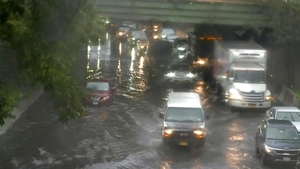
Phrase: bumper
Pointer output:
(181, 79)
(281, 158)
(99, 102)
(242, 104)
(184, 141)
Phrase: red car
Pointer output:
(101, 92)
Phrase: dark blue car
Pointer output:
(277, 141)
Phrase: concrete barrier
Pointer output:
(288, 97)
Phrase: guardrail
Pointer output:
(286, 95)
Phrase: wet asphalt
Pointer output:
(127, 135)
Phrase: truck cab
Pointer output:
(240, 71)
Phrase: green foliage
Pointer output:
(284, 19)
(9, 98)
(48, 37)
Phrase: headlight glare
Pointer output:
(167, 132)
(171, 74)
(190, 75)
(234, 94)
(268, 149)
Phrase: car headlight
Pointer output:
(268, 149)
(170, 74)
(133, 38)
(142, 46)
(199, 133)
(163, 36)
(190, 75)
(105, 98)
(167, 132)
(120, 33)
(181, 56)
(234, 94)
(201, 61)
(268, 95)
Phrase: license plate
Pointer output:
(183, 143)
(95, 103)
(286, 159)
(252, 105)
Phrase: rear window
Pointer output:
(178, 114)
(98, 86)
(282, 133)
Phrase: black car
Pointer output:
(277, 141)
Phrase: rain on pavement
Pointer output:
(127, 135)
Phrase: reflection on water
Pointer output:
(141, 63)
(119, 72)
(234, 152)
(133, 54)
(120, 48)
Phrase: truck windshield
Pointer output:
(282, 133)
(246, 76)
(178, 114)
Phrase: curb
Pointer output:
(20, 109)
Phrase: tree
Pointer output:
(47, 36)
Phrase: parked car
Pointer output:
(277, 141)
(100, 92)
(180, 72)
(285, 113)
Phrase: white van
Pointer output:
(184, 120)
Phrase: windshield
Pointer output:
(179, 68)
(139, 34)
(246, 76)
(98, 86)
(291, 116)
(167, 31)
(124, 28)
(177, 114)
(282, 133)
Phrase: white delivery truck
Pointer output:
(239, 70)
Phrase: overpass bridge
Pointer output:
(224, 12)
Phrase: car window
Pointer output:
(177, 114)
(291, 116)
(124, 29)
(98, 86)
(281, 133)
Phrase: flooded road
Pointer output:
(127, 135)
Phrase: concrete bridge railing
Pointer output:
(233, 12)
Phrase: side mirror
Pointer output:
(161, 115)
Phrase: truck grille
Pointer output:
(283, 152)
(182, 134)
(252, 97)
